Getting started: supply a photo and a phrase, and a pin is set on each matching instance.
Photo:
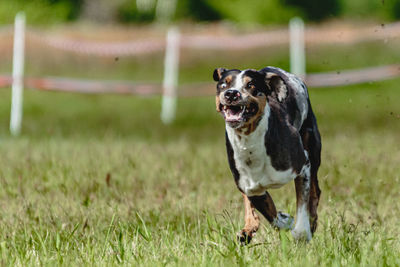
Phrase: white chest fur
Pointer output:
(252, 162)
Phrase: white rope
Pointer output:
(325, 79)
(333, 35)
(6, 29)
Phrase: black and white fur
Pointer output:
(272, 138)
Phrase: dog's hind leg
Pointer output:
(251, 222)
(311, 139)
(315, 194)
(312, 144)
(302, 228)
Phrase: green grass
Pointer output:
(169, 198)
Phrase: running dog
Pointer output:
(272, 138)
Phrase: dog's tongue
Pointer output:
(232, 115)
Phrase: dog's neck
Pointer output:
(249, 128)
(241, 141)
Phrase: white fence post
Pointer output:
(297, 47)
(18, 74)
(170, 81)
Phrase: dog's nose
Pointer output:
(232, 95)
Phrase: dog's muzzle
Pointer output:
(232, 96)
(235, 109)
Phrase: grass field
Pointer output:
(98, 180)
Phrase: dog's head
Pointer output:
(242, 95)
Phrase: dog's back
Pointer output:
(297, 107)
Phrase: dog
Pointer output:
(272, 138)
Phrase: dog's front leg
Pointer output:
(251, 222)
(265, 205)
(302, 228)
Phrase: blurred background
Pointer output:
(249, 13)
(124, 40)
(92, 145)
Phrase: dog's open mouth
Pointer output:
(233, 113)
(238, 113)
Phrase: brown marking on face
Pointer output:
(251, 127)
(246, 79)
(228, 79)
(253, 95)
(252, 123)
(217, 103)
(251, 221)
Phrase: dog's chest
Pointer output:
(253, 163)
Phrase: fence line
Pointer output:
(333, 35)
(5, 81)
(298, 38)
(349, 77)
(6, 29)
(85, 86)
(92, 86)
(126, 48)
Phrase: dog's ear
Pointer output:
(276, 85)
(218, 74)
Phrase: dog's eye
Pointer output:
(223, 86)
(250, 85)
(260, 94)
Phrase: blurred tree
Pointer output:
(100, 10)
(165, 10)
(396, 9)
(129, 11)
(240, 11)
(375, 9)
(254, 11)
(145, 5)
(316, 9)
(360, 8)
(197, 10)
(40, 11)
(74, 7)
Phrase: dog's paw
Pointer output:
(244, 237)
(283, 221)
(302, 234)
